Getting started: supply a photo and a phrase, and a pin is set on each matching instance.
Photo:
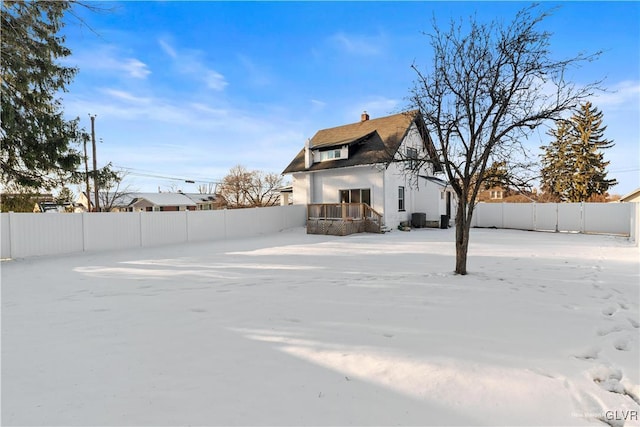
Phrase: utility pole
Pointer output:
(85, 137)
(95, 161)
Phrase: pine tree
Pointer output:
(590, 175)
(496, 175)
(36, 139)
(65, 195)
(573, 165)
(557, 165)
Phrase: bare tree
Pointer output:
(262, 189)
(488, 88)
(208, 188)
(243, 188)
(234, 186)
(112, 193)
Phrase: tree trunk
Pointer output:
(463, 223)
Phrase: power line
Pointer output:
(624, 170)
(151, 174)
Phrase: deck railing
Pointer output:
(346, 212)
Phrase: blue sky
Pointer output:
(189, 89)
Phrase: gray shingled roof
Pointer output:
(165, 199)
(201, 198)
(370, 142)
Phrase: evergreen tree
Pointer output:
(35, 139)
(18, 199)
(573, 165)
(496, 175)
(65, 196)
(590, 175)
(557, 167)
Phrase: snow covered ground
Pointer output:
(293, 329)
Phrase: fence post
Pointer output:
(84, 231)
(634, 226)
(224, 223)
(141, 228)
(186, 223)
(533, 216)
(11, 235)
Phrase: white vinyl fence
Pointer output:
(35, 234)
(604, 218)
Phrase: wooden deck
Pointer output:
(342, 219)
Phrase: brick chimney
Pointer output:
(364, 117)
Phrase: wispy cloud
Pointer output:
(186, 136)
(125, 96)
(135, 68)
(619, 95)
(167, 48)
(110, 60)
(318, 105)
(191, 63)
(214, 80)
(358, 44)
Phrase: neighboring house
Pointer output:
(207, 202)
(367, 162)
(499, 194)
(111, 202)
(493, 194)
(634, 196)
(162, 202)
(147, 202)
(286, 195)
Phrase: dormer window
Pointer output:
(330, 155)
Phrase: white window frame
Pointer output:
(401, 199)
(330, 155)
(412, 155)
(348, 192)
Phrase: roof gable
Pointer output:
(392, 129)
(631, 196)
(370, 142)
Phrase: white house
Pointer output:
(139, 202)
(371, 162)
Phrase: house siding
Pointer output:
(394, 178)
(326, 185)
(420, 195)
(301, 186)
